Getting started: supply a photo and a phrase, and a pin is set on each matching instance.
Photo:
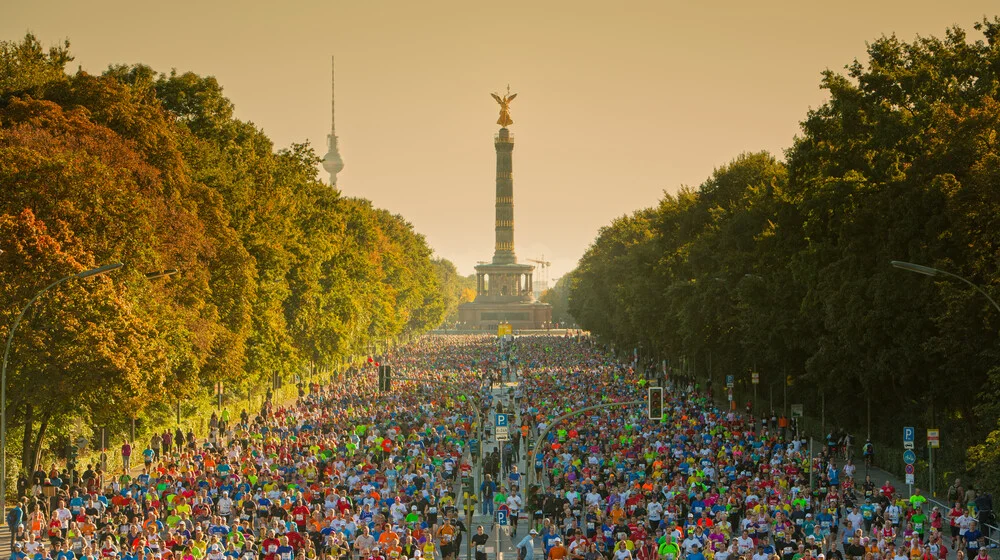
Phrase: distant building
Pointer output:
(332, 162)
(504, 288)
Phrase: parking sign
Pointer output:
(908, 434)
(502, 518)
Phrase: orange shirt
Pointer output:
(557, 552)
(447, 533)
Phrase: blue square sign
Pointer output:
(502, 518)
(501, 420)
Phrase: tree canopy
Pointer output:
(277, 270)
(785, 265)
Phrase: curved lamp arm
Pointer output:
(3, 370)
(933, 272)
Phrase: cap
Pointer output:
(532, 532)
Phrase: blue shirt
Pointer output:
(528, 545)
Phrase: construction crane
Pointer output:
(543, 277)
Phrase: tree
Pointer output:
(26, 65)
(277, 270)
(558, 297)
(786, 264)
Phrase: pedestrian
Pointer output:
(126, 455)
(526, 548)
(15, 517)
(479, 541)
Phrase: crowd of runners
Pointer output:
(702, 483)
(353, 473)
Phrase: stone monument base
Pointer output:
(486, 316)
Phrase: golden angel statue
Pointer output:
(504, 102)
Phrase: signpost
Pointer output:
(908, 434)
(730, 381)
(909, 457)
(755, 378)
(797, 411)
(933, 442)
(502, 428)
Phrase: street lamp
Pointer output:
(934, 272)
(3, 371)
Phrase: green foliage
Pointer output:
(558, 297)
(26, 65)
(278, 271)
(455, 289)
(785, 266)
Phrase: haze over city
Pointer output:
(616, 103)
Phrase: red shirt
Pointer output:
(295, 540)
(300, 514)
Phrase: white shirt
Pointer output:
(893, 513)
(64, 516)
(225, 505)
(514, 503)
(655, 509)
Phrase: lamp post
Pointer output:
(933, 272)
(3, 371)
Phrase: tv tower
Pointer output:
(332, 162)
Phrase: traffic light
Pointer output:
(384, 378)
(655, 403)
(71, 455)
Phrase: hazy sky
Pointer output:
(617, 101)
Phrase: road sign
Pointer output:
(909, 479)
(908, 434)
(933, 438)
(501, 420)
(909, 469)
(503, 434)
(729, 393)
(909, 457)
(730, 381)
(502, 518)
(755, 378)
(81, 442)
(505, 329)
(797, 411)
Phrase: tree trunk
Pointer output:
(29, 424)
(36, 454)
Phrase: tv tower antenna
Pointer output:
(332, 162)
